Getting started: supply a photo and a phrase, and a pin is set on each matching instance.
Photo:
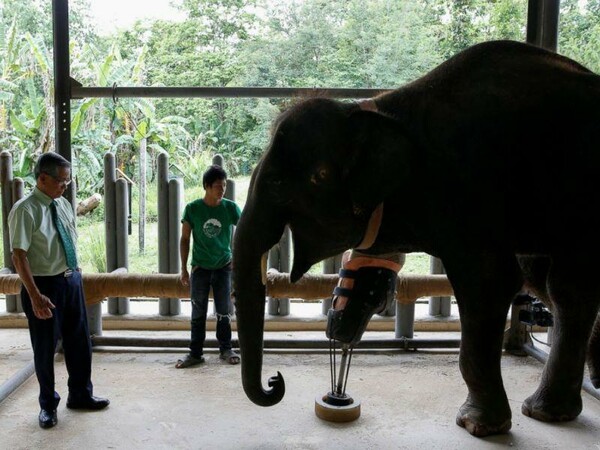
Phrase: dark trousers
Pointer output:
(69, 322)
(201, 281)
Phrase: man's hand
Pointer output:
(42, 307)
(185, 277)
(40, 304)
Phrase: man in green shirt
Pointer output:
(210, 222)
(43, 242)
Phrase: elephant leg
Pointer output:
(573, 290)
(593, 356)
(536, 271)
(484, 286)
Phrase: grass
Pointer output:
(91, 235)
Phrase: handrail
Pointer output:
(98, 286)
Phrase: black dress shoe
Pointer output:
(91, 403)
(47, 419)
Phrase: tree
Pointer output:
(579, 32)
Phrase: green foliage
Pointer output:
(259, 43)
(92, 247)
(459, 24)
(579, 32)
(308, 43)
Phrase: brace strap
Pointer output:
(365, 261)
(372, 229)
(368, 104)
(343, 292)
(347, 273)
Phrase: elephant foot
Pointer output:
(595, 373)
(482, 422)
(543, 409)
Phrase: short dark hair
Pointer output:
(49, 163)
(212, 174)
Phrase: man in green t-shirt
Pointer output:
(210, 221)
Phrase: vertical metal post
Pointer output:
(438, 306)
(175, 210)
(164, 304)
(230, 190)
(230, 195)
(330, 266)
(94, 312)
(142, 204)
(6, 178)
(62, 82)
(517, 335)
(6, 186)
(285, 255)
(122, 214)
(18, 190)
(542, 23)
(405, 320)
(542, 30)
(110, 222)
(218, 160)
(273, 263)
(279, 259)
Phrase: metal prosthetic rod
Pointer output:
(366, 286)
(338, 389)
(337, 405)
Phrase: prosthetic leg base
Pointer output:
(325, 410)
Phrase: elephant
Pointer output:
(489, 162)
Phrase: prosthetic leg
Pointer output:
(366, 286)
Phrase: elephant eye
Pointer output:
(320, 175)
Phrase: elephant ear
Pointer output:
(381, 159)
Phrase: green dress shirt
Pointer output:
(31, 229)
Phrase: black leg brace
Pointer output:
(374, 290)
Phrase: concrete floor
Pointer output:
(409, 401)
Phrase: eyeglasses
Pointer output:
(60, 180)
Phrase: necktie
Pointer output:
(65, 238)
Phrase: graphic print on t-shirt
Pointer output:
(212, 228)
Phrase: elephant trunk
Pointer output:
(256, 233)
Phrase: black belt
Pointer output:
(69, 272)
(66, 274)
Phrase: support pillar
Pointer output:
(438, 306)
(330, 266)
(542, 30)
(164, 304)
(110, 222)
(279, 259)
(405, 320)
(122, 227)
(175, 212)
(542, 23)
(62, 83)
(13, 303)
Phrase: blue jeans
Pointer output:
(201, 281)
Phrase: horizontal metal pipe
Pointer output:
(14, 382)
(98, 286)
(78, 92)
(542, 357)
(311, 287)
(401, 344)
